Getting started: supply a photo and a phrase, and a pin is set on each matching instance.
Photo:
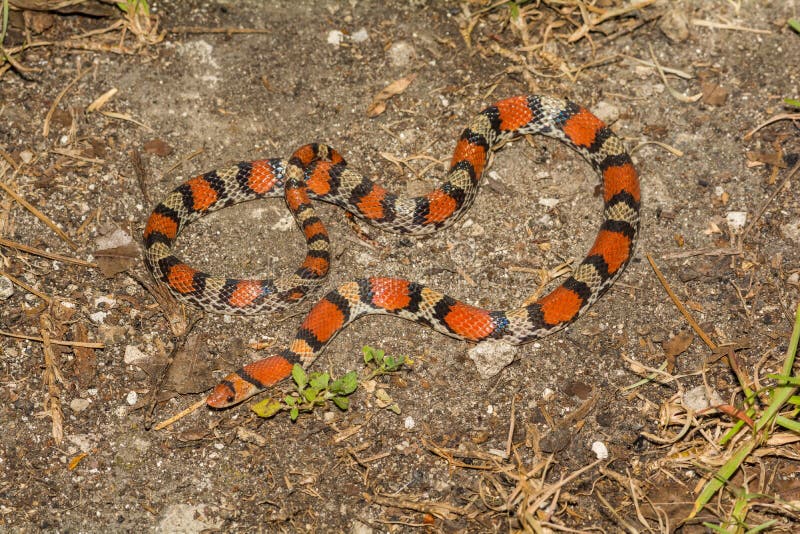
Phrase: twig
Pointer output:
(674, 92)
(725, 26)
(87, 344)
(180, 415)
(769, 200)
(680, 306)
(41, 216)
(138, 168)
(228, 31)
(776, 118)
(27, 288)
(39, 252)
(49, 116)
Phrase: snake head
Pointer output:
(232, 390)
(249, 380)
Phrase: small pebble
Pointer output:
(133, 355)
(400, 53)
(132, 398)
(335, 38)
(409, 423)
(736, 220)
(6, 288)
(78, 405)
(600, 450)
(360, 36)
(491, 356)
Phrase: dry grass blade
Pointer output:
(44, 254)
(39, 215)
(61, 94)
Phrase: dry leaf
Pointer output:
(714, 95)
(774, 158)
(116, 260)
(157, 147)
(397, 87)
(676, 345)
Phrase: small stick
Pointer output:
(41, 216)
(39, 252)
(26, 287)
(229, 31)
(87, 344)
(769, 200)
(680, 306)
(49, 116)
(180, 415)
(723, 26)
(138, 168)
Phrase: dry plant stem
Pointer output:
(678, 304)
(49, 116)
(138, 167)
(52, 376)
(87, 344)
(228, 31)
(44, 254)
(26, 287)
(776, 118)
(769, 200)
(41, 216)
(180, 415)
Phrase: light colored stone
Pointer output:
(600, 450)
(6, 288)
(491, 357)
(401, 53)
(78, 405)
(699, 398)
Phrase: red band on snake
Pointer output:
(319, 173)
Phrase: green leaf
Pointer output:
(788, 424)
(310, 394)
(294, 413)
(319, 381)
(290, 400)
(369, 355)
(762, 526)
(395, 408)
(267, 408)
(346, 385)
(299, 376)
(715, 528)
(342, 403)
(794, 24)
(792, 102)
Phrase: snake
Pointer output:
(316, 172)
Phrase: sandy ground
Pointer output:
(197, 101)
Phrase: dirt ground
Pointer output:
(198, 100)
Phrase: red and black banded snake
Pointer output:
(315, 172)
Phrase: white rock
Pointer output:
(792, 230)
(491, 357)
(409, 423)
(736, 220)
(26, 156)
(549, 202)
(335, 38)
(360, 36)
(6, 288)
(98, 317)
(548, 394)
(400, 53)
(698, 398)
(186, 519)
(132, 398)
(606, 112)
(133, 355)
(600, 450)
(78, 405)
(117, 238)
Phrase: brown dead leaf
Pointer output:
(157, 147)
(397, 87)
(190, 371)
(675, 346)
(113, 261)
(771, 157)
(713, 94)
